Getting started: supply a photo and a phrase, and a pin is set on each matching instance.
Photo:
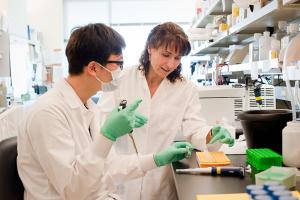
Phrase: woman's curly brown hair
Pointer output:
(166, 34)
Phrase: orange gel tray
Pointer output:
(217, 159)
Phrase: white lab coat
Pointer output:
(173, 107)
(59, 158)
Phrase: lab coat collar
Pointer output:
(71, 97)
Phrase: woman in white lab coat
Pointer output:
(171, 104)
(62, 148)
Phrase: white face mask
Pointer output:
(114, 83)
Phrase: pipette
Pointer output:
(122, 105)
(222, 171)
(207, 154)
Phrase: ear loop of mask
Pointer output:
(98, 79)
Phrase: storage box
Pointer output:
(284, 175)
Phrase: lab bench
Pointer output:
(188, 186)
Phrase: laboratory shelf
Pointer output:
(264, 67)
(222, 43)
(269, 15)
(216, 8)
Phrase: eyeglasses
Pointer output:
(120, 63)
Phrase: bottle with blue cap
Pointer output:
(288, 198)
(249, 188)
(284, 193)
(255, 193)
(263, 197)
(270, 184)
(276, 188)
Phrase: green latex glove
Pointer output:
(121, 122)
(177, 151)
(221, 134)
(139, 120)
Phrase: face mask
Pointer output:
(113, 84)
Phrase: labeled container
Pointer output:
(264, 46)
(290, 144)
(263, 128)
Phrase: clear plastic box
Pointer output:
(284, 175)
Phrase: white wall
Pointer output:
(81, 12)
(47, 16)
(78, 13)
(3, 5)
(145, 11)
(15, 16)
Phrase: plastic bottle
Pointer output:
(249, 188)
(255, 193)
(282, 30)
(268, 184)
(290, 144)
(279, 194)
(263, 197)
(292, 31)
(254, 48)
(235, 13)
(288, 198)
(264, 46)
(275, 48)
(276, 188)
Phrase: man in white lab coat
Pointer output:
(61, 146)
(171, 104)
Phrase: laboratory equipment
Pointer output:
(220, 104)
(262, 197)
(264, 46)
(279, 175)
(254, 193)
(291, 133)
(263, 128)
(215, 159)
(253, 187)
(288, 198)
(254, 48)
(279, 194)
(206, 153)
(222, 171)
(122, 105)
(268, 184)
(262, 159)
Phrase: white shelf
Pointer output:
(216, 8)
(269, 15)
(201, 49)
(264, 67)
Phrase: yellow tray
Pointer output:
(215, 159)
